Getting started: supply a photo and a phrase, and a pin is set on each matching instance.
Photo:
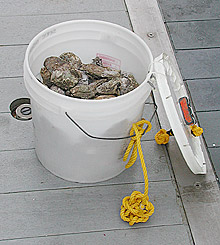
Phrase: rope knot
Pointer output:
(196, 131)
(162, 137)
(136, 208)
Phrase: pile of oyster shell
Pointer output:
(67, 75)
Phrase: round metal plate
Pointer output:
(21, 109)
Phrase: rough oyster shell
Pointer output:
(72, 59)
(128, 83)
(102, 97)
(67, 75)
(99, 71)
(83, 91)
(98, 82)
(53, 63)
(97, 61)
(57, 89)
(110, 87)
(45, 74)
(64, 79)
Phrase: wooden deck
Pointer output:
(199, 193)
(194, 29)
(37, 207)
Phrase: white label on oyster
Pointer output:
(109, 61)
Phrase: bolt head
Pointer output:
(150, 34)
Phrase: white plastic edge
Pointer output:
(194, 160)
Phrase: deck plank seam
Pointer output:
(179, 194)
(191, 20)
(199, 78)
(68, 13)
(199, 48)
(83, 187)
(94, 231)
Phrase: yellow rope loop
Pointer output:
(137, 207)
(133, 141)
(196, 131)
(162, 137)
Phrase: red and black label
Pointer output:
(186, 111)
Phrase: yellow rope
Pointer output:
(196, 131)
(162, 137)
(137, 207)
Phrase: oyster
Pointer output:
(75, 73)
(102, 97)
(84, 79)
(110, 87)
(68, 76)
(63, 79)
(53, 63)
(98, 82)
(97, 61)
(67, 93)
(83, 91)
(45, 74)
(99, 71)
(128, 83)
(57, 89)
(72, 59)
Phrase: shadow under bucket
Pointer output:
(60, 146)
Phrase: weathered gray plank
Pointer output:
(184, 175)
(21, 171)
(209, 121)
(11, 61)
(201, 198)
(199, 63)
(29, 26)
(189, 10)
(205, 94)
(14, 66)
(15, 134)
(197, 34)
(11, 89)
(160, 43)
(80, 210)
(215, 156)
(171, 235)
(16, 7)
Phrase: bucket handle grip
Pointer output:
(109, 138)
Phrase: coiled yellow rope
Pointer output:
(163, 136)
(137, 207)
(196, 131)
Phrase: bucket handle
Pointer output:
(110, 138)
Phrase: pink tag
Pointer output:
(109, 61)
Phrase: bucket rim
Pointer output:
(67, 98)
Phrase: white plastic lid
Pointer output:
(172, 89)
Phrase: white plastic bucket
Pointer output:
(62, 147)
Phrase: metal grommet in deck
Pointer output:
(150, 34)
(21, 109)
(24, 112)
